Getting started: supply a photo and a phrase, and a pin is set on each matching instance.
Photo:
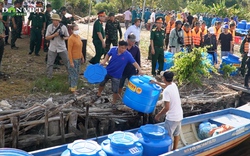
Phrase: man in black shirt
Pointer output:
(226, 41)
(190, 18)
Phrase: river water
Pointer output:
(242, 149)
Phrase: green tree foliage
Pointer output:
(227, 69)
(74, 3)
(197, 6)
(191, 67)
(108, 7)
(57, 4)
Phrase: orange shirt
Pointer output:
(74, 48)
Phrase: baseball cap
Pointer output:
(225, 26)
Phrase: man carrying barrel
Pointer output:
(120, 57)
(172, 107)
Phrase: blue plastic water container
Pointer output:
(13, 152)
(141, 95)
(84, 148)
(248, 26)
(241, 25)
(244, 21)
(232, 60)
(154, 139)
(95, 73)
(122, 144)
(168, 61)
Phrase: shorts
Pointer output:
(173, 127)
(115, 83)
(123, 79)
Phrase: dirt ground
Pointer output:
(23, 70)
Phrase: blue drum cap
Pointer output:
(95, 73)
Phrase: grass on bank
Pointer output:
(59, 83)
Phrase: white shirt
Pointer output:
(200, 18)
(135, 30)
(171, 95)
(152, 17)
(127, 15)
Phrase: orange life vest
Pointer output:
(187, 37)
(233, 34)
(196, 37)
(246, 47)
(217, 32)
(170, 27)
(204, 32)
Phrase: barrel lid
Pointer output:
(95, 73)
(84, 148)
(153, 131)
(122, 139)
(13, 152)
(146, 78)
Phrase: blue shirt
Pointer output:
(213, 21)
(130, 69)
(147, 15)
(117, 62)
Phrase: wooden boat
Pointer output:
(189, 143)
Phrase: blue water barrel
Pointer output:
(241, 25)
(232, 60)
(141, 95)
(122, 144)
(13, 152)
(247, 26)
(84, 148)
(168, 61)
(244, 21)
(154, 139)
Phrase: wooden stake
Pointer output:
(2, 139)
(86, 121)
(46, 126)
(62, 127)
(15, 130)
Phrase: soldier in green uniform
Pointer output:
(65, 21)
(48, 21)
(2, 36)
(112, 25)
(157, 45)
(16, 20)
(37, 28)
(98, 38)
(20, 24)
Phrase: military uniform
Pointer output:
(48, 21)
(15, 32)
(157, 36)
(97, 42)
(111, 31)
(38, 20)
(2, 32)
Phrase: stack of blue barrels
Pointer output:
(242, 27)
(232, 60)
(168, 61)
(120, 143)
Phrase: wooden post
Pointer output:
(46, 126)
(2, 135)
(87, 121)
(141, 123)
(62, 127)
(15, 131)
